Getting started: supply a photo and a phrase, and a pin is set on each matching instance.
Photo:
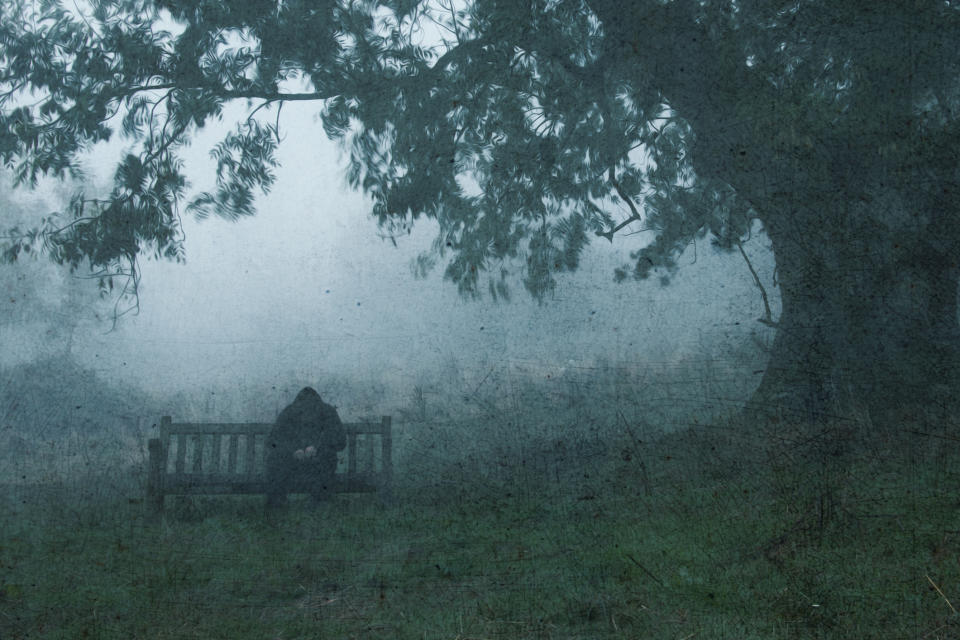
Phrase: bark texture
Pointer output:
(857, 189)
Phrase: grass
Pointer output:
(704, 534)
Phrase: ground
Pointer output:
(708, 533)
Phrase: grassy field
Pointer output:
(709, 533)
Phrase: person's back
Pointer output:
(302, 448)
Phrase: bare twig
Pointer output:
(634, 212)
(947, 600)
(262, 105)
(455, 20)
(767, 318)
(644, 569)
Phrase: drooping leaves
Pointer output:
(524, 129)
(245, 161)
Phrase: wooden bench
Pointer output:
(228, 458)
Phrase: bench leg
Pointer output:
(155, 478)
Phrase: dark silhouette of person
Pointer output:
(301, 454)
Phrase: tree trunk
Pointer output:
(861, 204)
(868, 327)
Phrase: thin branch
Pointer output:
(464, 48)
(130, 288)
(767, 318)
(100, 275)
(276, 128)
(276, 96)
(51, 232)
(271, 96)
(165, 143)
(456, 25)
(14, 89)
(942, 595)
(87, 22)
(262, 105)
(644, 569)
(639, 231)
(634, 212)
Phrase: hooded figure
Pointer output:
(302, 449)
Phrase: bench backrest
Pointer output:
(231, 456)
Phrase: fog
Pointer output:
(308, 292)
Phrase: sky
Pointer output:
(307, 288)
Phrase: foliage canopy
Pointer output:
(527, 128)
(521, 127)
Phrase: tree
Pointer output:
(37, 293)
(526, 129)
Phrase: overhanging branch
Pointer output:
(767, 318)
(635, 215)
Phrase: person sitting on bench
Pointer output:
(302, 448)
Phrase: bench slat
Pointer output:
(386, 444)
(198, 441)
(251, 453)
(232, 454)
(371, 456)
(186, 483)
(192, 428)
(181, 452)
(256, 428)
(352, 454)
(215, 461)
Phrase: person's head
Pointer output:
(307, 393)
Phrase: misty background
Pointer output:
(308, 292)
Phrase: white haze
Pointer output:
(307, 290)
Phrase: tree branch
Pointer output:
(271, 96)
(767, 318)
(635, 215)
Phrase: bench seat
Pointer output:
(228, 459)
